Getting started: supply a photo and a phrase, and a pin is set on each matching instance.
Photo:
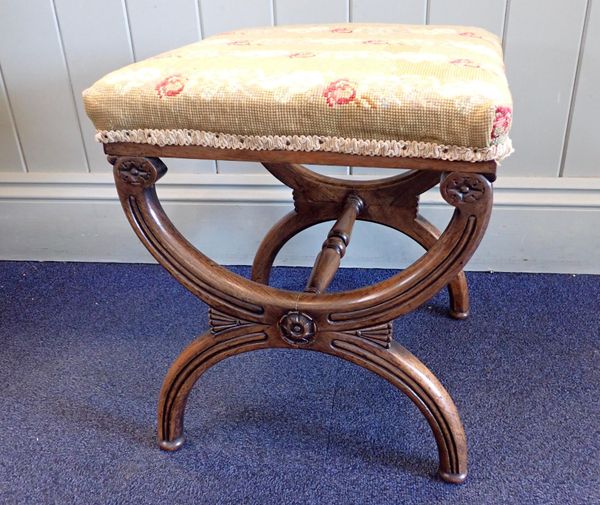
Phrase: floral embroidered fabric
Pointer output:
(371, 89)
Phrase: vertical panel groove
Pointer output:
(487, 14)
(541, 66)
(198, 22)
(427, 12)
(273, 14)
(13, 124)
(128, 23)
(505, 23)
(71, 87)
(565, 145)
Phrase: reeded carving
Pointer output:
(297, 328)
(221, 322)
(380, 334)
(457, 188)
(198, 357)
(408, 374)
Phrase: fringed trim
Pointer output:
(387, 148)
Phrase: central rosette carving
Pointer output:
(135, 173)
(297, 328)
(462, 188)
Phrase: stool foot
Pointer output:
(452, 478)
(459, 297)
(171, 445)
(458, 315)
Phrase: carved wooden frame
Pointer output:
(354, 325)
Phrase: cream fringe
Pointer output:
(387, 148)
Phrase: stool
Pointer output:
(430, 99)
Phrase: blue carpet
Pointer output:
(85, 348)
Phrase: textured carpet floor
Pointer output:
(84, 348)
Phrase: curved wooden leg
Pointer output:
(198, 357)
(354, 325)
(366, 348)
(426, 235)
(281, 232)
(397, 365)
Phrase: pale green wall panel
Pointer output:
(542, 46)
(37, 80)
(582, 158)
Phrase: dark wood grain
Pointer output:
(334, 248)
(354, 325)
(391, 202)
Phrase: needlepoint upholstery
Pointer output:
(368, 89)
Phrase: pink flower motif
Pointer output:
(170, 86)
(302, 54)
(502, 122)
(470, 34)
(341, 29)
(376, 42)
(340, 92)
(465, 63)
(239, 43)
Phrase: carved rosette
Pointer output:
(297, 328)
(137, 171)
(460, 189)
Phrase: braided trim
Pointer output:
(386, 148)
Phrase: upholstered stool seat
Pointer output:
(430, 99)
(366, 89)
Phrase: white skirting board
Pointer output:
(538, 224)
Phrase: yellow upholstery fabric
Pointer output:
(374, 89)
